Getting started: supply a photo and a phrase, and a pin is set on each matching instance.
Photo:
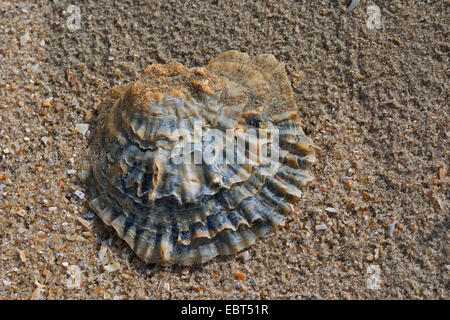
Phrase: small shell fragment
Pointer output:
(321, 227)
(47, 102)
(24, 39)
(46, 140)
(82, 128)
(331, 210)
(442, 173)
(392, 229)
(74, 280)
(80, 194)
(87, 224)
(244, 256)
(22, 256)
(111, 267)
(36, 294)
(185, 271)
(102, 254)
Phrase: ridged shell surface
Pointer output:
(185, 212)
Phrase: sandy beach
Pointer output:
(372, 94)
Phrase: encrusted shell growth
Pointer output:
(185, 212)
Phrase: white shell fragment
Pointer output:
(82, 128)
(79, 194)
(320, 227)
(74, 279)
(24, 39)
(392, 229)
(331, 210)
(112, 267)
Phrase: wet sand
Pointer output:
(374, 100)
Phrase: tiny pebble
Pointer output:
(2, 186)
(26, 138)
(82, 127)
(65, 264)
(79, 194)
(321, 227)
(6, 151)
(369, 257)
(52, 209)
(71, 171)
(21, 230)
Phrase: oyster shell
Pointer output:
(190, 211)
